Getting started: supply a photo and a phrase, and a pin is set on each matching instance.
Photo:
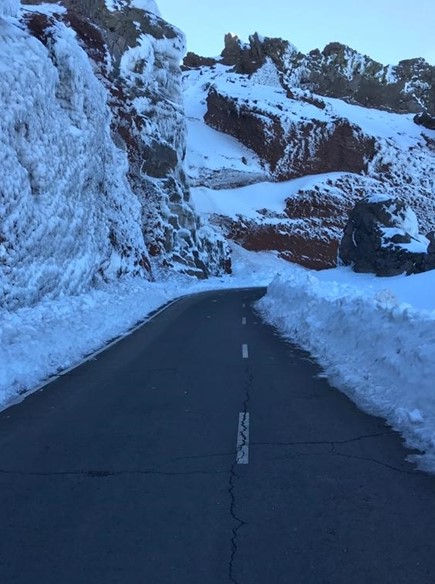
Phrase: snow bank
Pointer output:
(377, 350)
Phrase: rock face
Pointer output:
(338, 71)
(303, 146)
(282, 107)
(136, 55)
(382, 237)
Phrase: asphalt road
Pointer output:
(143, 467)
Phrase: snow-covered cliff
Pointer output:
(92, 140)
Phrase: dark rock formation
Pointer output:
(339, 71)
(425, 120)
(308, 147)
(382, 237)
(248, 58)
(194, 61)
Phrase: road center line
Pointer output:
(245, 353)
(242, 456)
(243, 305)
(244, 320)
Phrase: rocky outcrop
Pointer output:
(293, 149)
(338, 71)
(194, 61)
(276, 102)
(246, 58)
(137, 54)
(341, 72)
(382, 237)
(425, 120)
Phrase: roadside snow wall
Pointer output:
(376, 350)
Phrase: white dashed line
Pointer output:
(245, 353)
(244, 320)
(242, 456)
(243, 305)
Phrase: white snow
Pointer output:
(67, 218)
(147, 5)
(9, 7)
(209, 152)
(373, 337)
(249, 200)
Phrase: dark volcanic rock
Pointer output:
(194, 61)
(382, 237)
(425, 120)
(248, 58)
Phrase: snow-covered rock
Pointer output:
(382, 236)
(68, 217)
(280, 130)
(338, 71)
(92, 150)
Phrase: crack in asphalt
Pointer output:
(238, 521)
(321, 442)
(378, 462)
(91, 473)
(234, 476)
(156, 470)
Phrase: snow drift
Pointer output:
(376, 349)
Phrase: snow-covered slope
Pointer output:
(291, 132)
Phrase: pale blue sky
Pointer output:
(386, 30)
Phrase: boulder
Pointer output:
(425, 120)
(382, 237)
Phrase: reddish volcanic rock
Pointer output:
(305, 147)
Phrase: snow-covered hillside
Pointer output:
(266, 130)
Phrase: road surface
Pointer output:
(203, 449)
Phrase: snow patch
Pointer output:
(147, 5)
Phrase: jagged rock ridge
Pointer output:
(338, 71)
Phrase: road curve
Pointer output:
(203, 449)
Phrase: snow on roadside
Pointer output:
(373, 346)
(39, 342)
(374, 337)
